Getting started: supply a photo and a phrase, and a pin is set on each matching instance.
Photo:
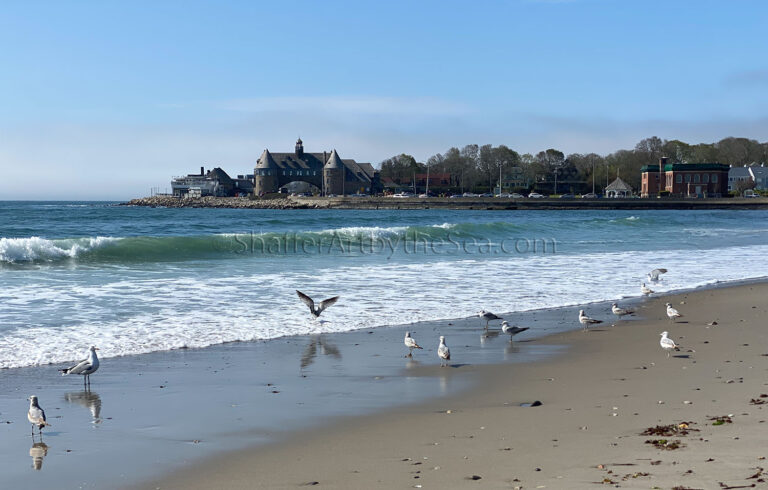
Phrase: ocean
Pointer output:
(135, 280)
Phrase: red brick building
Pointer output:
(684, 179)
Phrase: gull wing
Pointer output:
(306, 300)
(78, 368)
(655, 273)
(327, 303)
(444, 352)
(36, 415)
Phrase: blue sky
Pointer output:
(106, 99)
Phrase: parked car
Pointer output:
(567, 196)
(470, 194)
(486, 194)
(750, 193)
(591, 195)
(455, 196)
(358, 195)
(404, 194)
(535, 195)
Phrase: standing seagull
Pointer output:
(410, 343)
(443, 352)
(488, 317)
(646, 290)
(36, 415)
(653, 276)
(587, 321)
(309, 302)
(512, 331)
(620, 312)
(86, 367)
(672, 313)
(667, 344)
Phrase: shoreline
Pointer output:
(498, 204)
(584, 433)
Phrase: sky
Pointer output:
(107, 99)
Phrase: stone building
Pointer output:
(326, 172)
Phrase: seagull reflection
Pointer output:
(317, 343)
(88, 399)
(489, 334)
(38, 451)
(412, 364)
(511, 348)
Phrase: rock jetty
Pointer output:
(221, 202)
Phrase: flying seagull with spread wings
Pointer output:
(311, 304)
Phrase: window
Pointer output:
(714, 178)
(705, 178)
(687, 178)
(697, 179)
(679, 178)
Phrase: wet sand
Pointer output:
(151, 414)
(606, 388)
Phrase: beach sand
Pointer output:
(611, 384)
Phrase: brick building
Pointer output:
(684, 179)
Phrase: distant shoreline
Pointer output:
(446, 203)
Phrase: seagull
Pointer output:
(512, 331)
(36, 415)
(86, 367)
(646, 290)
(620, 312)
(667, 344)
(653, 276)
(587, 321)
(410, 343)
(672, 313)
(488, 317)
(309, 302)
(443, 352)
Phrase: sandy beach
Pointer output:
(612, 384)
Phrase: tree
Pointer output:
(486, 164)
(651, 148)
(550, 161)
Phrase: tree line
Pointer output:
(478, 168)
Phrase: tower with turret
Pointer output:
(265, 177)
(333, 175)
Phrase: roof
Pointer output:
(334, 161)
(618, 185)
(684, 167)
(693, 167)
(266, 160)
(758, 172)
(220, 175)
(314, 161)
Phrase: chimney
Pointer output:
(325, 158)
(662, 161)
(202, 170)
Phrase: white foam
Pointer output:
(14, 250)
(164, 307)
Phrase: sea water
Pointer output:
(133, 279)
